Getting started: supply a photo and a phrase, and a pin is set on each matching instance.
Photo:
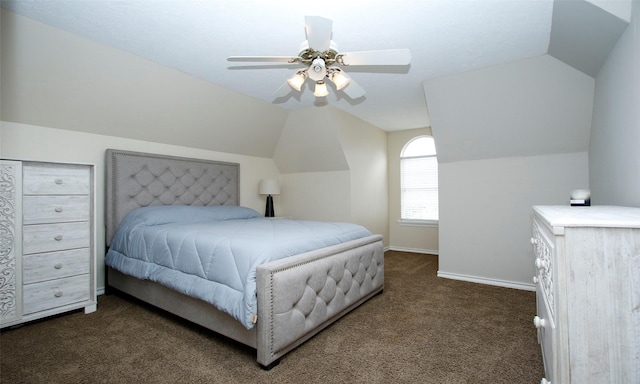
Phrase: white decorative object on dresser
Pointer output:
(47, 253)
(588, 293)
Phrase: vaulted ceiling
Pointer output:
(446, 37)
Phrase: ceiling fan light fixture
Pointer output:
(321, 89)
(320, 55)
(318, 65)
(297, 80)
(339, 79)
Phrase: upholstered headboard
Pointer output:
(135, 180)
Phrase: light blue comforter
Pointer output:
(211, 253)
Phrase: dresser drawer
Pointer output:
(544, 250)
(55, 293)
(55, 237)
(546, 329)
(55, 265)
(55, 209)
(47, 179)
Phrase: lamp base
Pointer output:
(268, 212)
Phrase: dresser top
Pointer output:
(593, 216)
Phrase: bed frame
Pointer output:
(298, 296)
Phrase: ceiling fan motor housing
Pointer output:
(318, 69)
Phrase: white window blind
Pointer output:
(419, 184)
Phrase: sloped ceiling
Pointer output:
(310, 143)
(446, 37)
(531, 107)
(583, 34)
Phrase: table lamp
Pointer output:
(269, 187)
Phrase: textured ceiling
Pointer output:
(445, 37)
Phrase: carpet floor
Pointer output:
(421, 329)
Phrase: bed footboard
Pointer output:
(300, 297)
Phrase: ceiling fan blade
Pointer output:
(352, 89)
(271, 59)
(283, 90)
(382, 57)
(318, 32)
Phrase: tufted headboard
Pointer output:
(135, 180)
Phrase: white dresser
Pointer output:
(47, 251)
(588, 293)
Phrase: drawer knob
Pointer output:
(59, 181)
(58, 266)
(544, 381)
(540, 264)
(58, 294)
(539, 322)
(535, 279)
(533, 241)
(58, 237)
(59, 209)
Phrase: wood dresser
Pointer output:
(588, 293)
(47, 252)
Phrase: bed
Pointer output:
(297, 292)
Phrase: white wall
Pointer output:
(324, 196)
(614, 151)
(508, 137)
(333, 168)
(365, 147)
(27, 142)
(485, 219)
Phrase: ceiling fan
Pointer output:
(322, 59)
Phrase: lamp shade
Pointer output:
(321, 89)
(269, 187)
(297, 80)
(340, 79)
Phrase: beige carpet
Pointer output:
(422, 329)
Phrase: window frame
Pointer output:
(416, 222)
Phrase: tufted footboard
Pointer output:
(298, 297)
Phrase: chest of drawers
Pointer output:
(49, 252)
(588, 293)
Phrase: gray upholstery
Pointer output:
(137, 180)
(301, 295)
(194, 310)
(298, 296)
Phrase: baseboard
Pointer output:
(414, 250)
(487, 281)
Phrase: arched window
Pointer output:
(419, 180)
